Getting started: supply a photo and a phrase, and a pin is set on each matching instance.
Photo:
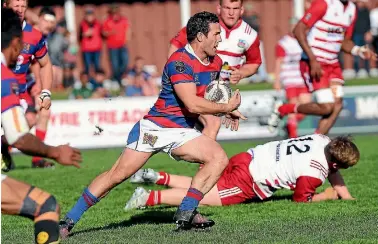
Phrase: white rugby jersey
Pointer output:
(330, 21)
(240, 45)
(289, 49)
(278, 164)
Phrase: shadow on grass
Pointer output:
(147, 217)
(153, 216)
(271, 199)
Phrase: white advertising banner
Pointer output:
(100, 123)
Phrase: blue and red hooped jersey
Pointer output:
(34, 45)
(9, 89)
(182, 67)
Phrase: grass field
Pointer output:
(277, 221)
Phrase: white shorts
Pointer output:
(3, 177)
(146, 136)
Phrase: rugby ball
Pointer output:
(218, 91)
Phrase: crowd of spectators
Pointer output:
(135, 78)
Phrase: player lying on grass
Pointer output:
(18, 198)
(169, 127)
(300, 164)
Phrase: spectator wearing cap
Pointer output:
(90, 40)
(116, 30)
(362, 36)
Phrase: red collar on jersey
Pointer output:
(228, 30)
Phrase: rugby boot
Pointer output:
(7, 162)
(186, 220)
(138, 200)
(275, 117)
(145, 176)
(65, 227)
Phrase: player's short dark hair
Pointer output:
(343, 151)
(10, 27)
(47, 10)
(200, 23)
(221, 1)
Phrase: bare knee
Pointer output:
(218, 158)
(327, 108)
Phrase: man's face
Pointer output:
(139, 65)
(19, 7)
(100, 77)
(230, 12)
(84, 79)
(90, 17)
(16, 47)
(47, 24)
(210, 43)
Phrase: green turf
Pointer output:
(278, 221)
(62, 95)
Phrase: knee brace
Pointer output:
(37, 203)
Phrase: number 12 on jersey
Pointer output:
(302, 148)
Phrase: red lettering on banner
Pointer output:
(65, 118)
(116, 117)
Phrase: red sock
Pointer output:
(292, 128)
(164, 179)
(287, 108)
(41, 134)
(154, 198)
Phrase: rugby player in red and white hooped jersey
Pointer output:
(301, 165)
(288, 75)
(239, 51)
(325, 29)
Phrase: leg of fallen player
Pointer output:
(18, 198)
(126, 165)
(142, 198)
(201, 149)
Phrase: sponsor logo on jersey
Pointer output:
(26, 48)
(242, 43)
(336, 30)
(15, 88)
(179, 66)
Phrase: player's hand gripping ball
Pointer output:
(218, 91)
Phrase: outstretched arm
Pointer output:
(338, 184)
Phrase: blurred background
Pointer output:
(91, 65)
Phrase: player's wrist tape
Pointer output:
(45, 94)
(358, 51)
